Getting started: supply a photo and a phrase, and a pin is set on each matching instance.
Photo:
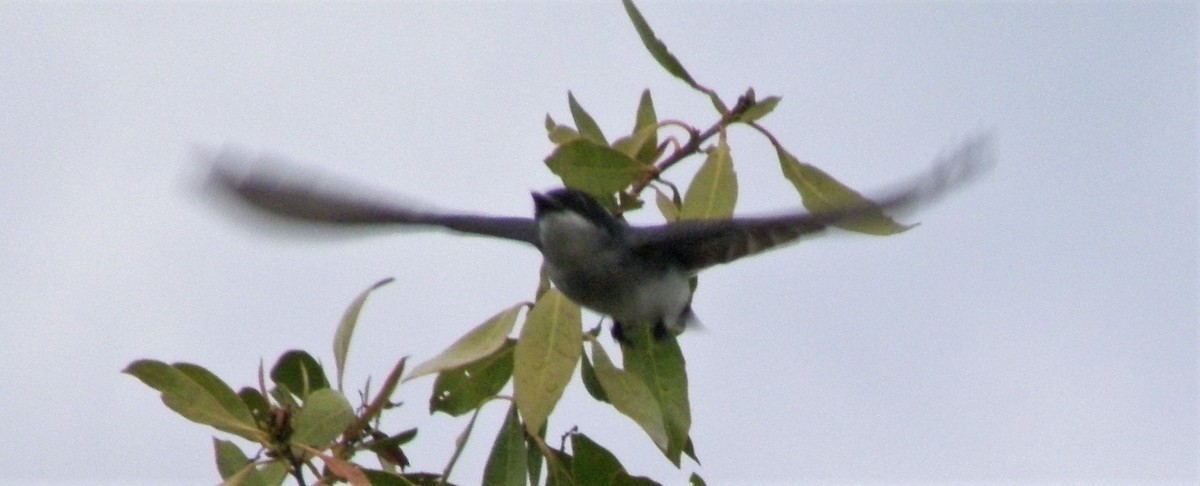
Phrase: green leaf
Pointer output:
(595, 169)
(545, 357)
(345, 329)
(273, 473)
(506, 464)
(760, 109)
(656, 47)
(584, 122)
(646, 117)
(666, 206)
(477, 343)
(630, 395)
(557, 133)
(461, 390)
(225, 395)
(324, 417)
(181, 393)
(660, 365)
(231, 461)
(259, 408)
(625, 479)
(696, 480)
(588, 375)
(713, 192)
(300, 373)
(592, 465)
(823, 194)
(533, 454)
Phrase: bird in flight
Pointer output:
(636, 275)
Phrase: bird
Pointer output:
(635, 275)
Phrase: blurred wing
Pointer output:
(701, 244)
(287, 195)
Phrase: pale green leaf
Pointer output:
(231, 461)
(506, 465)
(666, 206)
(559, 134)
(324, 417)
(460, 390)
(646, 117)
(181, 393)
(345, 329)
(660, 365)
(477, 343)
(545, 357)
(225, 395)
(713, 192)
(760, 109)
(823, 194)
(598, 170)
(630, 396)
(584, 122)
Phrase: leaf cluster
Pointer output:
(302, 420)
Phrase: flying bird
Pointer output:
(637, 275)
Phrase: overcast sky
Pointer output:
(1040, 325)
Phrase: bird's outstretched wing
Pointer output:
(700, 244)
(268, 187)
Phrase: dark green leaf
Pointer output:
(345, 329)
(506, 464)
(624, 479)
(656, 47)
(588, 375)
(325, 415)
(696, 480)
(592, 465)
(460, 390)
(823, 194)
(545, 357)
(300, 373)
(256, 402)
(533, 454)
(584, 122)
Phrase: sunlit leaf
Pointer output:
(660, 365)
(666, 206)
(506, 463)
(192, 400)
(324, 417)
(713, 192)
(461, 390)
(595, 169)
(557, 133)
(300, 373)
(592, 464)
(646, 117)
(630, 395)
(584, 122)
(345, 329)
(545, 357)
(822, 194)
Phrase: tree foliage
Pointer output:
(307, 429)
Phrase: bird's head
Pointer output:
(574, 201)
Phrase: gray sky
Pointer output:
(1039, 326)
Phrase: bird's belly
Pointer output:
(610, 290)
